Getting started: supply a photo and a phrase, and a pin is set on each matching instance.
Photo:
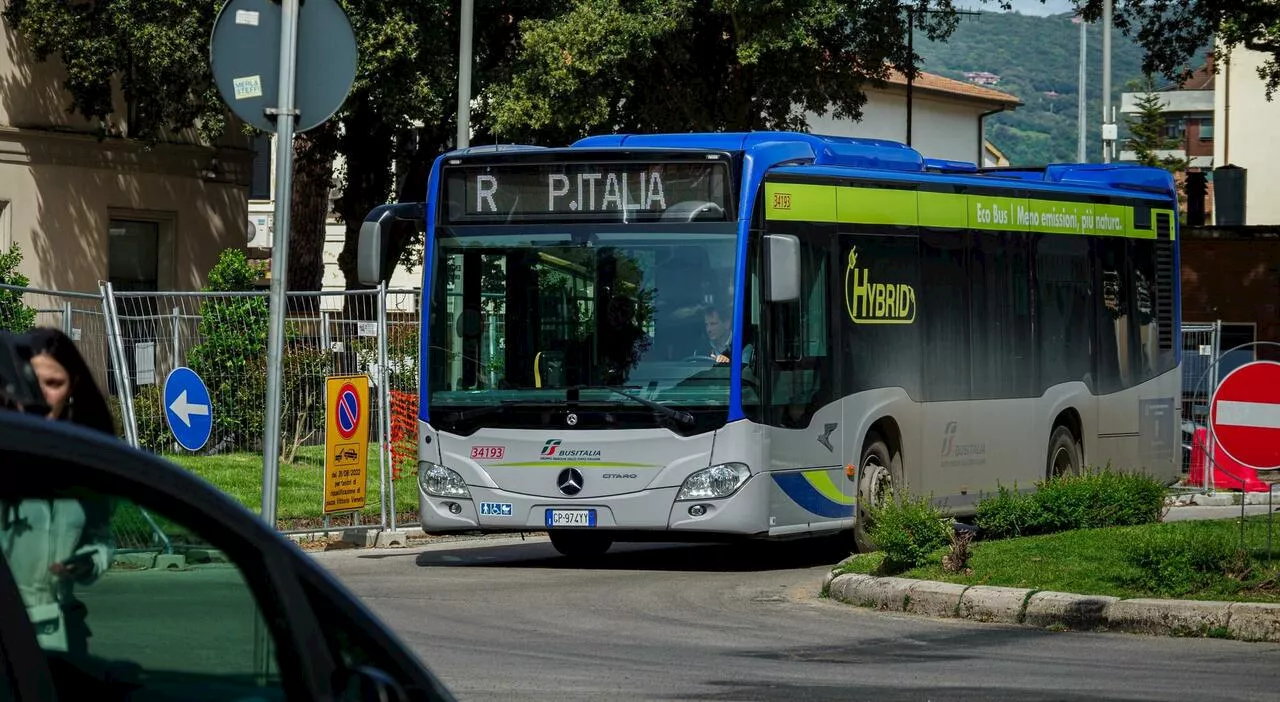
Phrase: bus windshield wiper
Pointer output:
(678, 415)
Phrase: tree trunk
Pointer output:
(369, 153)
(367, 145)
(313, 154)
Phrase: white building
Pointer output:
(947, 116)
(1246, 125)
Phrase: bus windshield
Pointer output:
(626, 325)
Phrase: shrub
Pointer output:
(1007, 514)
(303, 398)
(149, 412)
(1099, 498)
(1093, 499)
(15, 316)
(956, 559)
(1173, 563)
(233, 337)
(908, 530)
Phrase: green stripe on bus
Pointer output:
(896, 207)
(945, 210)
(821, 481)
(798, 202)
(877, 206)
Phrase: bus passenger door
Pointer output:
(801, 407)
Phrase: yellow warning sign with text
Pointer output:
(346, 442)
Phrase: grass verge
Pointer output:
(300, 498)
(1105, 562)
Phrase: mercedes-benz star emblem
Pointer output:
(569, 481)
(572, 419)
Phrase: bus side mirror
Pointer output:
(782, 273)
(372, 250)
(373, 253)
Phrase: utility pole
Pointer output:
(1082, 102)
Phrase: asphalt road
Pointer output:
(508, 620)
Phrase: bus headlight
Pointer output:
(442, 482)
(717, 481)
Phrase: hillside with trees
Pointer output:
(1037, 59)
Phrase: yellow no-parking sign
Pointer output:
(346, 442)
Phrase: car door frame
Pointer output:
(272, 566)
(22, 658)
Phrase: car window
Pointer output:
(123, 597)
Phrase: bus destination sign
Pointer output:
(582, 190)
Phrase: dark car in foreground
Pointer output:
(178, 592)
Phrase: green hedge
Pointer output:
(1093, 499)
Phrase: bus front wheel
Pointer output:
(879, 473)
(580, 544)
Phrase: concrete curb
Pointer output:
(1060, 611)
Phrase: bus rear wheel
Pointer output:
(879, 473)
(1064, 453)
(580, 544)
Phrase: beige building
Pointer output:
(1246, 126)
(85, 209)
(993, 157)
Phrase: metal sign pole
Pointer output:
(284, 114)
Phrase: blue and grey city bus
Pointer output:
(709, 336)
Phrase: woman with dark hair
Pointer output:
(51, 545)
(66, 380)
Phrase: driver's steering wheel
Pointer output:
(698, 357)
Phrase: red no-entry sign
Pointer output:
(1244, 415)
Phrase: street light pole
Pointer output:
(464, 74)
(911, 35)
(1108, 128)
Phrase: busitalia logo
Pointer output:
(871, 301)
(948, 438)
(551, 451)
(960, 454)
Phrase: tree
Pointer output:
(1172, 33)
(642, 65)
(402, 106)
(157, 50)
(1148, 131)
(233, 335)
(15, 315)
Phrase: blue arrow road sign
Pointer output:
(187, 408)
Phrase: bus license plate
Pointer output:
(571, 517)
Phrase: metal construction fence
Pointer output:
(1206, 362)
(1201, 347)
(133, 340)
